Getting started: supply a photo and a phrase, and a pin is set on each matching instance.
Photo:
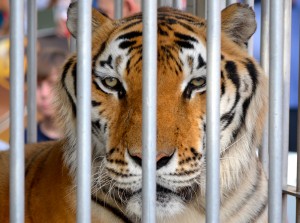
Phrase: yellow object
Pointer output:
(4, 62)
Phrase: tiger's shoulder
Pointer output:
(46, 180)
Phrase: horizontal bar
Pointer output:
(291, 190)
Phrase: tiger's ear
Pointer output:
(238, 22)
(98, 19)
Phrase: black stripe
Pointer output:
(126, 44)
(161, 31)
(227, 117)
(222, 88)
(98, 88)
(201, 62)
(128, 65)
(64, 75)
(231, 69)
(170, 56)
(250, 191)
(186, 26)
(74, 75)
(134, 17)
(261, 210)
(130, 25)
(112, 209)
(185, 37)
(101, 49)
(253, 74)
(233, 76)
(223, 84)
(96, 103)
(108, 62)
(96, 125)
(130, 35)
(184, 44)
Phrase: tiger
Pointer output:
(116, 125)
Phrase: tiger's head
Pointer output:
(181, 106)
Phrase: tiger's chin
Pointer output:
(167, 205)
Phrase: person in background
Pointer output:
(4, 17)
(130, 7)
(50, 61)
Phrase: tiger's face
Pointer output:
(181, 105)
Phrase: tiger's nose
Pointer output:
(162, 159)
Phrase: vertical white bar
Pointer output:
(149, 109)
(72, 40)
(201, 8)
(84, 111)
(287, 19)
(177, 4)
(264, 61)
(32, 71)
(213, 112)
(118, 4)
(250, 41)
(165, 3)
(275, 105)
(298, 147)
(16, 111)
(191, 6)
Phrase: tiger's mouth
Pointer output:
(168, 202)
(186, 194)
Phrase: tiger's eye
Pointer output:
(198, 82)
(111, 81)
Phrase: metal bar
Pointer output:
(191, 6)
(32, 72)
(118, 9)
(264, 61)
(201, 8)
(298, 147)
(286, 97)
(149, 109)
(250, 41)
(291, 190)
(229, 2)
(16, 111)
(275, 105)
(165, 3)
(73, 40)
(213, 114)
(177, 4)
(84, 111)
